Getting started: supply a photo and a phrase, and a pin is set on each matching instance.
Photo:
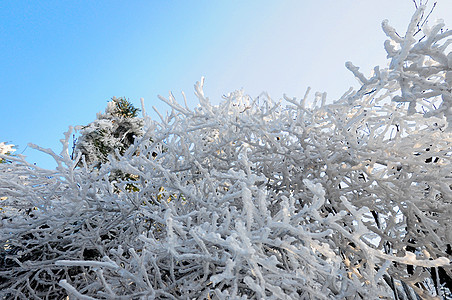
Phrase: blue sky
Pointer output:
(62, 61)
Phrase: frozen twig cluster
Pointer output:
(5, 149)
(252, 198)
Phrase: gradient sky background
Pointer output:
(61, 61)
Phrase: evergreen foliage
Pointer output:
(111, 133)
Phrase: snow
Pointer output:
(248, 198)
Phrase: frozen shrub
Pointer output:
(252, 198)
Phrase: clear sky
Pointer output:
(61, 61)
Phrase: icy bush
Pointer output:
(252, 198)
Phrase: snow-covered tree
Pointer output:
(293, 199)
(111, 133)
